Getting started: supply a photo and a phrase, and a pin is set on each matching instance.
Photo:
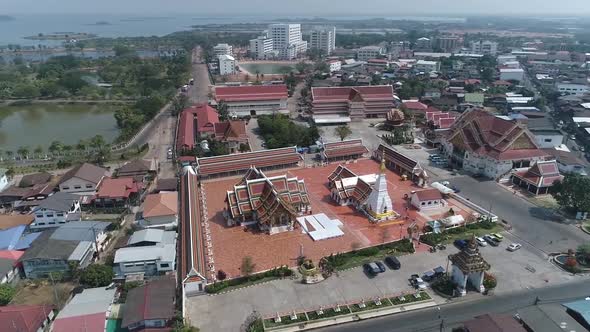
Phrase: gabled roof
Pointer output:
(162, 204)
(60, 201)
(353, 93)
(30, 180)
(86, 171)
(231, 131)
(154, 300)
(541, 174)
(136, 166)
(85, 230)
(24, 318)
(253, 92)
(9, 237)
(117, 188)
(206, 117)
(152, 235)
(167, 185)
(87, 311)
(414, 105)
(428, 195)
(352, 147)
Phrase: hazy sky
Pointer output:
(300, 7)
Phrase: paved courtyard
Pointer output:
(231, 244)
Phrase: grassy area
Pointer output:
(409, 299)
(586, 226)
(38, 292)
(330, 312)
(231, 284)
(285, 320)
(369, 305)
(359, 257)
(463, 232)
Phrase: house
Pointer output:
(547, 138)
(482, 143)
(138, 169)
(87, 311)
(150, 306)
(568, 162)
(233, 135)
(26, 318)
(157, 257)
(539, 178)
(9, 266)
(427, 199)
(493, 323)
(253, 100)
(35, 179)
(116, 192)
(351, 103)
(160, 210)
(55, 249)
(57, 209)
(166, 185)
(31, 189)
(3, 179)
(82, 178)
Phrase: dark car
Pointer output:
(460, 244)
(381, 266)
(491, 240)
(428, 275)
(393, 262)
(371, 269)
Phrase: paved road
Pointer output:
(428, 319)
(199, 91)
(530, 223)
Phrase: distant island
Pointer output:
(101, 23)
(62, 36)
(4, 18)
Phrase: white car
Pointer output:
(420, 283)
(481, 241)
(514, 246)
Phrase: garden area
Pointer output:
(343, 261)
(248, 280)
(462, 232)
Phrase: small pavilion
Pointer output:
(468, 267)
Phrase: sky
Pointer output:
(299, 7)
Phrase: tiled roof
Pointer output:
(117, 188)
(344, 93)
(541, 174)
(231, 131)
(414, 105)
(30, 180)
(353, 147)
(243, 161)
(24, 318)
(162, 204)
(207, 117)
(185, 137)
(247, 93)
(9, 221)
(396, 157)
(86, 171)
(428, 195)
(154, 300)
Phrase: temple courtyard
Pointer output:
(231, 244)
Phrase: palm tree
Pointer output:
(38, 151)
(81, 146)
(56, 147)
(23, 152)
(68, 149)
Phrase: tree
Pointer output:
(247, 266)
(38, 151)
(583, 253)
(302, 67)
(23, 152)
(97, 275)
(179, 103)
(223, 110)
(6, 294)
(56, 147)
(221, 275)
(572, 193)
(342, 132)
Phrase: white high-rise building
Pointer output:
(227, 64)
(286, 39)
(221, 49)
(379, 204)
(323, 39)
(261, 47)
(484, 47)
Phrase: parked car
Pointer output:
(428, 275)
(371, 269)
(432, 156)
(514, 246)
(460, 244)
(417, 282)
(455, 189)
(491, 240)
(498, 236)
(191, 81)
(481, 241)
(439, 271)
(381, 266)
(392, 262)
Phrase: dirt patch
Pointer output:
(43, 292)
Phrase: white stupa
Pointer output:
(379, 204)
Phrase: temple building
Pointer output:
(394, 118)
(273, 203)
(405, 166)
(468, 267)
(366, 193)
(539, 178)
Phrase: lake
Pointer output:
(40, 124)
(268, 68)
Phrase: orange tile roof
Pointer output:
(9, 221)
(162, 204)
(117, 188)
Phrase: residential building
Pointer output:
(57, 209)
(484, 47)
(34, 179)
(511, 74)
(539, 178)
(3, 179)
(87, 311)
(150, 306)
(160, 211)
(482, 143)
(222, 49)
(447, 43)
(166, 185)
(118, 192)
(323, 39)
(335, 65)
(427, 199)
(28, 193)
(139, 169)
(150, 252)
(261, 48)
(548, 138)
(568, 162)
(233, 135)
(572, 89)
(82, 178)
(345, 104)
(26, 318)
(427, 66)
(9, 267)
(253, 100)
(287, 40)
(227, 64)
(369, 52)
(423, 44)
(55, 249)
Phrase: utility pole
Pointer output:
(54, 289)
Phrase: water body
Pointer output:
(268, 68)
(44, 56)
(40, 124)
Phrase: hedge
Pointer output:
(277, 272)
(341, 258)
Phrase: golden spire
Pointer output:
(383, 163)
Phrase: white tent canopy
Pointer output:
(442, 188)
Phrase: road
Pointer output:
(454, 313)
(532, 224)
(198, 93)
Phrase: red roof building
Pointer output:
(427, 199)
(539, 178)
(357, 102)
(195, 121)
(25, 318)
(349, 149)
(116, 191)
(232, 133)
(253, 100)
(415, 106)
(483, 143)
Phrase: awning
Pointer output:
(331, 119)
(443, 189)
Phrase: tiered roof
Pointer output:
(541, 174)
(396, 115)
(365, 93)
(350, 185)
(353, 147)
(243, 161)
(264, 195)
(397, 158)
(250, 93)
(469, 259)
(485, 134)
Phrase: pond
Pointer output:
(40, 124)
(268, 67)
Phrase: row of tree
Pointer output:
(279, 131)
